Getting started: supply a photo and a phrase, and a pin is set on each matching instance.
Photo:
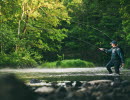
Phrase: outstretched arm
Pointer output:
(106, 50)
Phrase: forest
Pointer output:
(33, 32)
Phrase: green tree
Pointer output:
(33, 25)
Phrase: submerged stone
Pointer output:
(94, 82)
(35, 81)
(43, 90)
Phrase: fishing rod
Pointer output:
(89, 42)
(95, 28)
(100, 31)
(84, 23)
(86, 42)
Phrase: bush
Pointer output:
(49, 64)
(17, 60)
(127, 64)
(68, 63)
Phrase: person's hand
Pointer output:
(122, 64)
(101, 49)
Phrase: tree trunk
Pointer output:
(19, 28)
(25, 27)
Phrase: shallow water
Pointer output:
(65, 74)
(54, 70)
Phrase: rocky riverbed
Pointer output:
(11, 88)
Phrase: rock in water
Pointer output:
(94, 82)
(77, 84)
(61, 90)
(86, 84)
(125, 83)
(13, 89)
(43, 90)
(35, 81)
(68, 84)
(61, 93)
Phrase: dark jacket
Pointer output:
(116, 54)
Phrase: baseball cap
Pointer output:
(113, 42)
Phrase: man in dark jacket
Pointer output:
(117, 58)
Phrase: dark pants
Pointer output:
(116, 65)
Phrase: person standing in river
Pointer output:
(117, 57)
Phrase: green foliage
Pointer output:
(69, 64)
(33, 26)
(49, 65)
(125, 12)
(74, 63)
(16, 60)
(8, 39)
(127, 63)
